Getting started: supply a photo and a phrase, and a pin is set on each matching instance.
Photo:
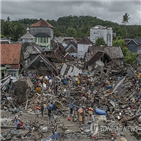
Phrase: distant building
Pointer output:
(43, 32)
(82, 47)
(5, 41)
(27, 38)
(72, 49)
(134, 45)
(65, 41)
(11, 56)
(42, 26)
(43, 39)
(101, 32)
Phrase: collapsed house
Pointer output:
(40, 65)
(72, 49)
(115, 53)
(100, 55)
(35, 62)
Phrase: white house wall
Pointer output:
(82, 49)
(105, 33)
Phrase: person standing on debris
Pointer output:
(71, 108)
(7, 88)
(92, 102)
(74, 111)
(49, 114)
(37, 83)
(56, 88)
(42, 109)
(83, 115)
(107, 116)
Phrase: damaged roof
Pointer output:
(84, 40)
(113, 52)
(42, 23)
(44, 59)
(97, 57)
(68, 57)
(61, 39)
(10, 54)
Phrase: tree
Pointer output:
(100, 41)
(57, 33)
(129, 57)
(2, 36)
(71, 32)
(8, 19)
(125, 21)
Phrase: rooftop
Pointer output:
(61, 39)
(42, 23)
(84, 40)
(42, 35)
(27, 36)
(10, 53)
(113, 52)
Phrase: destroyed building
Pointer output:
(115, 53)
(72, 49)
(35, 61)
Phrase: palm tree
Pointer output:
(125, 21)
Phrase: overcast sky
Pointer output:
(104, 9)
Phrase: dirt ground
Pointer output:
(72, 126)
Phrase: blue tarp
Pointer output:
(100, 112)
(57, 135)
(64, 81)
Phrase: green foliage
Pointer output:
(2, 36)
(68, 26)
(100, 41)
(125, 18)
(125, 21)
(130, 58)
(71, 32)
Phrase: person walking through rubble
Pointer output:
(42, 109)
(37, 83)
(71, 108)
(49, 114)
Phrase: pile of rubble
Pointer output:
(112, 91)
